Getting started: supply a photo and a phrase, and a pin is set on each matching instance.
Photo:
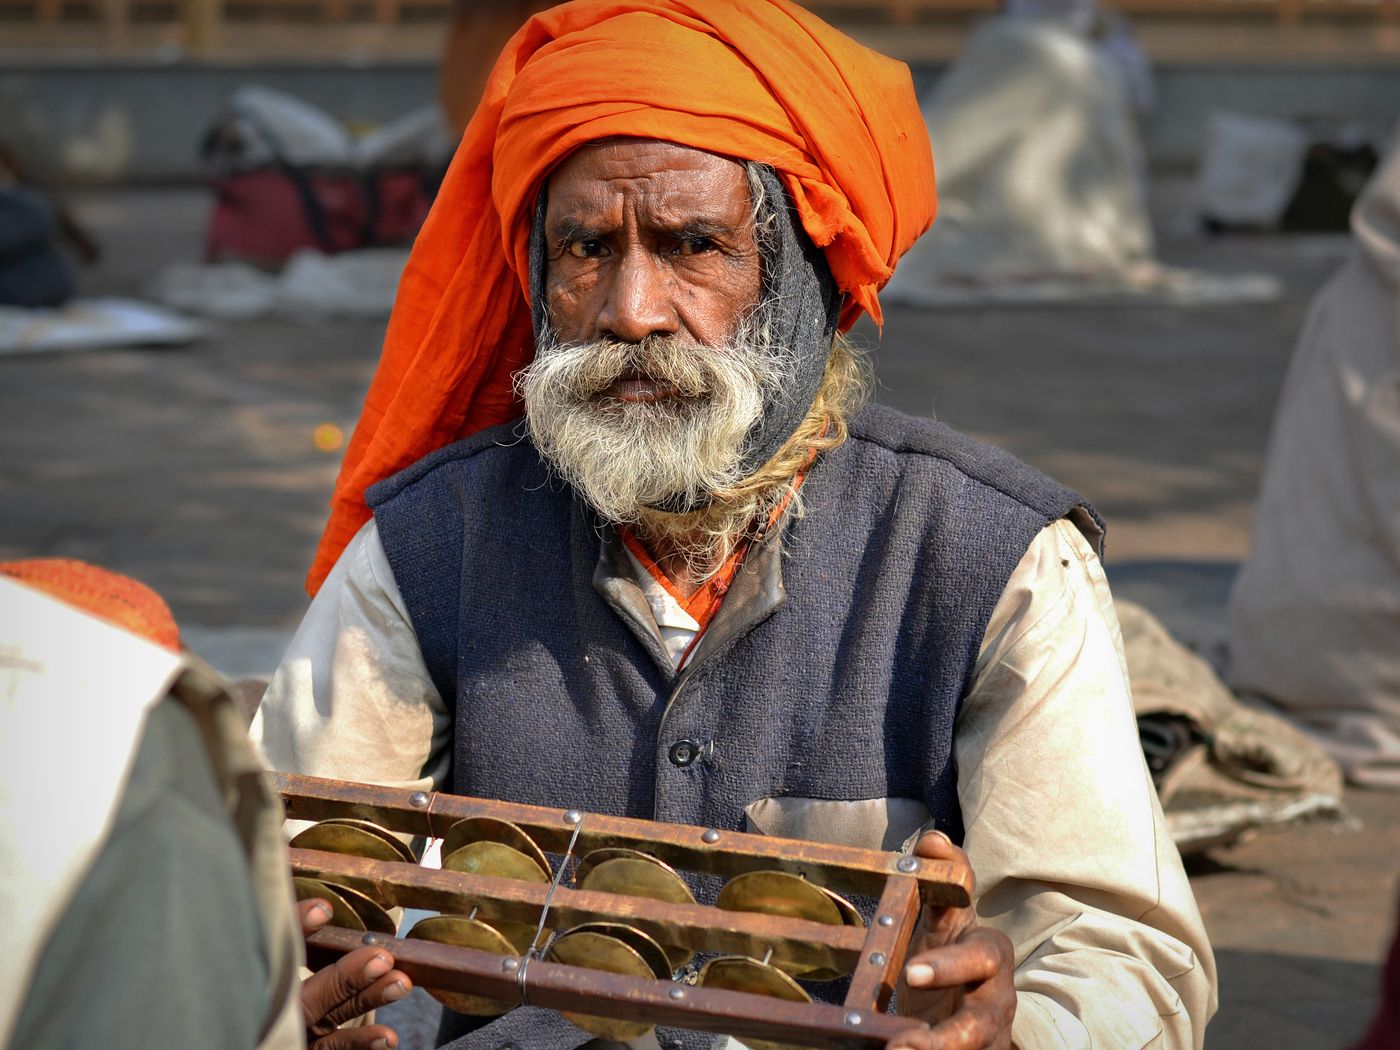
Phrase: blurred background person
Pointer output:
(145, 898)
(1314, 616)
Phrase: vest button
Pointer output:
(684, 752)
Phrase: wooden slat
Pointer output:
(841, 868)
(886, 944)
(570, 988)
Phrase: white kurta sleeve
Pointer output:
(353, 699)
(1072, 856)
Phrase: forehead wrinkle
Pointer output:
(652, 201)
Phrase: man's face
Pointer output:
(649, 239)
(654, 364)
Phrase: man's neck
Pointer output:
(675, 556)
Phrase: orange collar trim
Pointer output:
(705, 602)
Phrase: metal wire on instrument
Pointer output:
(535, 948)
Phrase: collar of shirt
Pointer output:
(682, 620)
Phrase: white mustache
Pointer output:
(628, 456)
(583, 371)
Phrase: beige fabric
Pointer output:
(1252, 769)
(53, 657)
(875, 823)
(1072, 856)
(1314, 616)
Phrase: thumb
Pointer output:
(936, 845)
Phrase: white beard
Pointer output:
(629, 457)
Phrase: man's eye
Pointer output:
(695, 246)
(585, 249)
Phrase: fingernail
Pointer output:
(380, 1044)
(942, 835)
(322, 911)
(395, 991)
(378, 967)
(919, 974)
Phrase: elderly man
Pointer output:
(698, 582)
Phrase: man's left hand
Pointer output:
(958, 977)
(355, 984)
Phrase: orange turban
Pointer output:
(759, 80)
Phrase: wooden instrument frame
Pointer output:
(900, 882)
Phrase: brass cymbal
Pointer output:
(632, 872)
(639, 941)
(637, 874)
(475, 830)
(347, 838)
(850, 915)
(520, 934)
(393, 841)
(596, 950)
(489, 829)
(375, 918)
(589, 861)
(738, 973)
(462, 932)
(342, 914)
(494, 858)
(778, 893)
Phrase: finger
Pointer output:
(341, 982)
(935, 845)
(983, 1019)
(977, 965)
(371, 1037)
(390, 988)
(313, 914)
(972, 1028)
(971, 960)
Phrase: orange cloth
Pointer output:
(759, 80)
(118, 599)
(705, 602)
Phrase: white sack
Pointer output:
(1250, 168)
(419, 138)
(271, 124)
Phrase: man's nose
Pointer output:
(639, 301)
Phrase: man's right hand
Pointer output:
(355, 984)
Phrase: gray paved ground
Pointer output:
(195, 470)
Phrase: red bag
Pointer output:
(399, 200)
(265, 216)
(267, 207)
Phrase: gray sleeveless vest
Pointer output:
(838, 677)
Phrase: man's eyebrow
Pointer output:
(568, 228)
(695, 228)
